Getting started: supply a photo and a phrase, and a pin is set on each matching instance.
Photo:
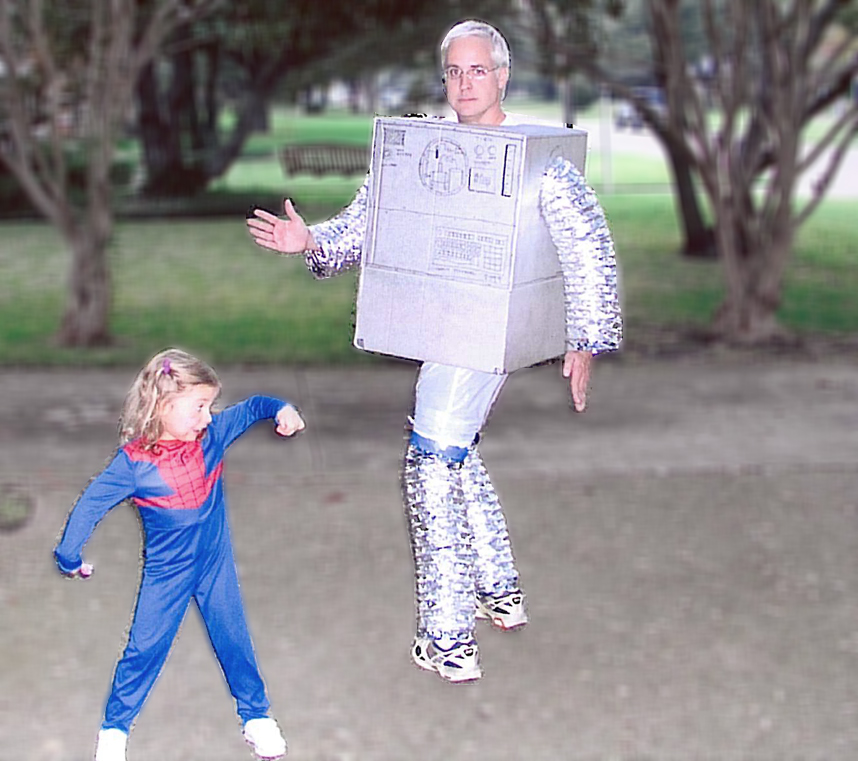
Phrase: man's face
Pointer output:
(476, 100)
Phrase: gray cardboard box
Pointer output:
(458, 266)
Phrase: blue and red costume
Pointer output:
(178, 489)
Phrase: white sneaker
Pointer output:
(110, 745)
(263, 735)
(505, 612)
(461, 663)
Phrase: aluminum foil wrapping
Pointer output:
(440, 541)
(340, 239)
(494, 565)
(580, 233)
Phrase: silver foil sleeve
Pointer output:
(580, 233)
(494, 565)
(339, 240)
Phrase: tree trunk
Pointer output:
(210, 95)
(87, 314)
(160, 147)
(260, 117)
(748, 314)
(161, 132)
(182, 100)
(749, 320)
(698, 237)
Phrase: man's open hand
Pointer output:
(286, 236)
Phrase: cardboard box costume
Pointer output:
(478, 284)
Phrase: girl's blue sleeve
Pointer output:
(228, 425)
(113, 485)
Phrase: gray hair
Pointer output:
(473, 28)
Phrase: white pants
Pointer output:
(452, 404)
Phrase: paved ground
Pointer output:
(688, 545)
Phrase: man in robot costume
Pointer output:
(464, 566)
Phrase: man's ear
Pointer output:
(503, 78)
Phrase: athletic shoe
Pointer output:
(461, 663)
(263, 735)
(110, 745)
(506, 612)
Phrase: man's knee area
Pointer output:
(453, 455)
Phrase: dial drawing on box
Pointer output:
(443, 167)
(483, 152)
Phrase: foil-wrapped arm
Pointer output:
(576, 223)
(339, 240)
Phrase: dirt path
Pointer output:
(688, 546)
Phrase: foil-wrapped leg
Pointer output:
(494, 566)
(440, 541)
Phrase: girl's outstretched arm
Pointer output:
(112, 486)
(228, 425)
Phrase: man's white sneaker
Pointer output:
(506, 612)
(461, 663)
(264, 736)
(110, 745)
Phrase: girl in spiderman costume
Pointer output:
(170, 465)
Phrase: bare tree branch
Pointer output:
(838, 154)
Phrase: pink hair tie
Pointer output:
(166, 369)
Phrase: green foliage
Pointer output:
(290, 126)
(196, 284)
(205, 286)
(14, 201)
(238, 58)
(660, 289)
(822, 282)
(626, 45)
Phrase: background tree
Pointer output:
(567, 34)
(775, 69)
(612, 46)
(247, 54)
(774, 66)
(69, 70)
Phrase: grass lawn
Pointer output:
(262, 170)
(201, 284)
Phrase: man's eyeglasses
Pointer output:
(454, 73)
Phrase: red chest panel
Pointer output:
(181, 467)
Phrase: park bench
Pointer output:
(323, 159)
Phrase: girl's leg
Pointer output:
(219, 600)
(160, 608)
